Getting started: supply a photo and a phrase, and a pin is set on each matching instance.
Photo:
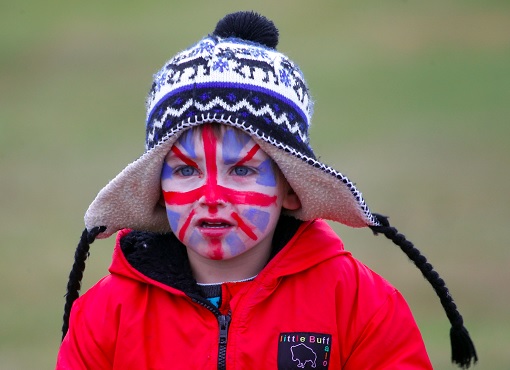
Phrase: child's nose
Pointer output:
(213, 195)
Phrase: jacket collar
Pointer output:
(161, 259)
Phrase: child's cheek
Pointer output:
(243, 226)
(258, 218)
(185, 226)
(235, 244)
(195, 238)
(173, 219)
(179, 221)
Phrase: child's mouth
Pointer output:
(214, 225)
(214, 228)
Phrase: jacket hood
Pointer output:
(161, 259)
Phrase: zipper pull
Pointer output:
(224, 321)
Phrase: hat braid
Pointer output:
(76, 274)
(463, 350)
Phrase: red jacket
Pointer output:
(312, 306)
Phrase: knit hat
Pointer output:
(230, 77)
(236, 77)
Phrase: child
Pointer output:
(222, 258)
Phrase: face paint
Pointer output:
(211, 189)
(235, 244)
(267, 176)
(185, 226)
(173, 218)
(258, 218)
(183, 157)
(167, 171)
(223, 196)
(232, 145)
(186, 142)
(243, 226)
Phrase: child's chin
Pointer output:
(222, 255)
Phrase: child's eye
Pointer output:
(242, 171)
(187, 171)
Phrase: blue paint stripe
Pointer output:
(173, 219)
(233, 143)
(258, 218)
(235, 243)
(267, 176)
(187, 142)
(167, 171)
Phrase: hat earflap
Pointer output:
(463, 349)
(76, 274)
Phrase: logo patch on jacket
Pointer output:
(303, 351)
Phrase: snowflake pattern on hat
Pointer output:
(232, 81)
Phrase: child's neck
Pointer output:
(229, 281)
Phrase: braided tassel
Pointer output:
(463, 349)
(76, 274)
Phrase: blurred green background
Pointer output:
(412, 102)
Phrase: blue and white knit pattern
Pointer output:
(231, 80)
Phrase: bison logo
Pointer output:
(304, 350)
(303, 354)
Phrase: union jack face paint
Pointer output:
(223, 194)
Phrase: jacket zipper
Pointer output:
(223, 323)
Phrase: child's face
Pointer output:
(223, 194)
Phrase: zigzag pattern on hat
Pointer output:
(283, 119)
(262, 108)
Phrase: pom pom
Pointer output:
(248, 26)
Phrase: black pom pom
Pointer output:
(248, 26)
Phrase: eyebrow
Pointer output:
(183, 157)
(248, 155)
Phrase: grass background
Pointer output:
(412, 102)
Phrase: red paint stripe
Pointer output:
(250, 198)
(249, 155)
(183, 157)
(216, 253)
(179, 198)
(185, 226)
(232, 196)
(245, 228)
(210, 145)
(212, 191)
